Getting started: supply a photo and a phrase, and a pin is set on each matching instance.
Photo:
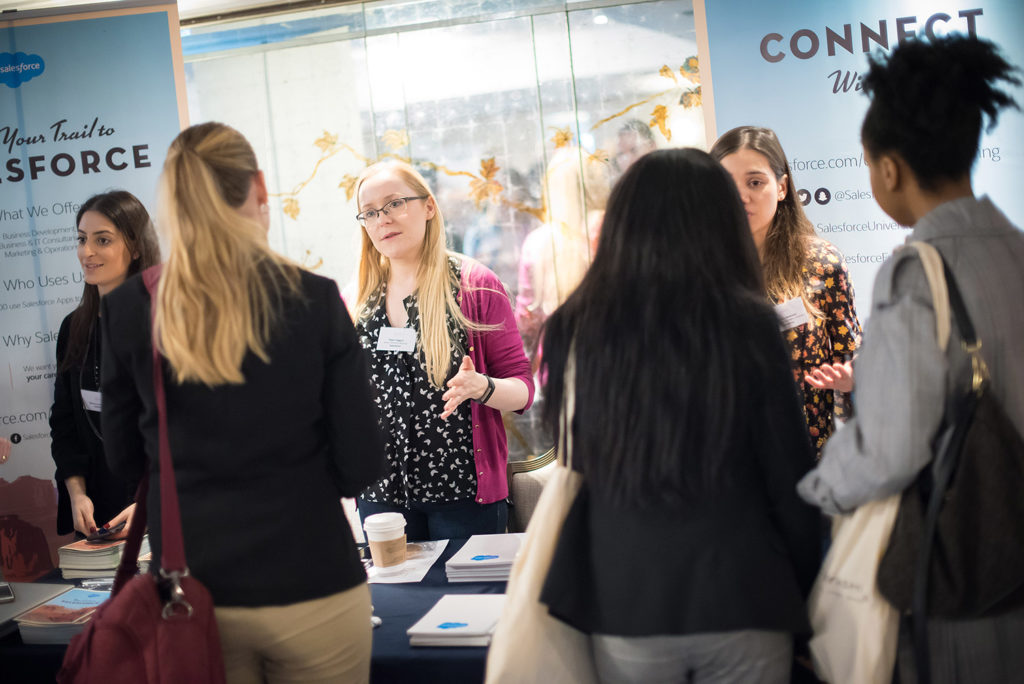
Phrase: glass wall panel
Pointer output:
(520, 113)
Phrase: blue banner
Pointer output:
(795, 67)
(87, 104)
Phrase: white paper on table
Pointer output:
(419, 556)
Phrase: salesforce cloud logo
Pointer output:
(18, 68)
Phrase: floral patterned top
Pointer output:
(830, 339)
(430, 460)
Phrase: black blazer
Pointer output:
(743, 556)
(261, 466)
(76, 449)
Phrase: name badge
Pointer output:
(396, 339)
(792, 313)
(92, 400)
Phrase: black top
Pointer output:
(741, 557)
(260, 466)
(430, 460)
(75, 441)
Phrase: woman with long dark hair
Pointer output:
(115, 240)
(800, 269)
(687, 554)
(920, 136)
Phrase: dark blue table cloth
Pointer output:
(400, 606)
(394, 661)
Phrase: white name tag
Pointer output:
(397, 339)
(92, 400)
(792, 313)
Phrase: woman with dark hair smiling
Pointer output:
(690, 438)
(115, 240)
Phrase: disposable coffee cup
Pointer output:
(385, 533)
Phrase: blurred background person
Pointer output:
(687, 555)
(634, 140)
(801, 270)
(556, 255)
(445, 360)
(926, 92)
(115, 240)
(269, 416)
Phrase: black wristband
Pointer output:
(488, 392)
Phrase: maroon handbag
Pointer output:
(152, 629)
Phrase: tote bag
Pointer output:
(529, 645)
(855, 628)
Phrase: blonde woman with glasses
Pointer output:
(269, 416)
(445, 360)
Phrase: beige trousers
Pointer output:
(323, 640)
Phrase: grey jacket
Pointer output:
(902, 379)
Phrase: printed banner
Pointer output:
(795, 67)
(88, 103)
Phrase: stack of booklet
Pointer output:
(83, 558)
(484, 558)
(458, 620)
(60, 618)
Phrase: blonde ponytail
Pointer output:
(221, 289)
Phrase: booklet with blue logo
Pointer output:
(484, 558)
(458, 620)
(27, 595)
(61, 618)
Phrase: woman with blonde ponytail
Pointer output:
(269, 416)
(445, 360)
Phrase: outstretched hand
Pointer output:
(466, 384)
(833, 376)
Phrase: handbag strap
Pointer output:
(960, 413)
(129, 565)
(172, 558)
(568, 408)
(946, 297)
(934, 272)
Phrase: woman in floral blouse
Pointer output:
(805, 275)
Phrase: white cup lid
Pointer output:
(384, 522)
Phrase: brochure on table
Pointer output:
(458, 620)
(485, 558)
(27, 595)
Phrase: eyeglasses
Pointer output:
(395, 206)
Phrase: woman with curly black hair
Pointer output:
(920, 137)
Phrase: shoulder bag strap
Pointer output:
(934, 271)
(129, 565)
(945, 295)
(568, 408)
(171, 543)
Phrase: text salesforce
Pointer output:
(86, 161)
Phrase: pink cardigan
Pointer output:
(498, 353)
